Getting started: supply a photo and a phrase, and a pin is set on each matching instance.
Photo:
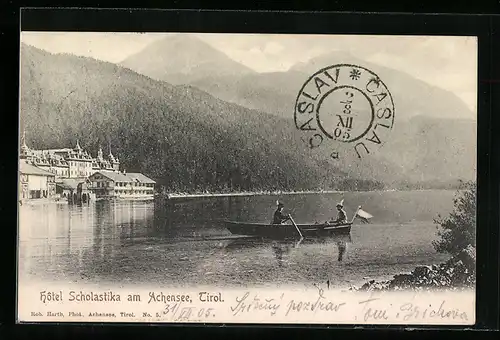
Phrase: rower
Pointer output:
(279, 217)
(341, 214)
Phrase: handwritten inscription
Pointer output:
(185, 312)
(248, 304)
(244, 304)
(370, 310)
(409, 311)
(320, 304)
(412, 311)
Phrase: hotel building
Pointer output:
(77, 174)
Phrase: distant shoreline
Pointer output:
(278, 193)
(265, 193)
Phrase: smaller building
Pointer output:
(74, 190)
(66, 187)
(111, 184)
(35, 183)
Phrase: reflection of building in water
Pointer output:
(122, 219)
(79, 221)
(53, 238)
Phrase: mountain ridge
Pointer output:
(189, 139)
(178, 58)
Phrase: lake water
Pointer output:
(183, 243)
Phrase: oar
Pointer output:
(293, 222)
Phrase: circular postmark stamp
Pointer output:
(344, 107)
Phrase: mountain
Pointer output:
(182, 137)
(182, 59)
(271, 92)
(276, 92)
(187, 139)
(433, 150)
(434, 138)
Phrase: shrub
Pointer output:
(458, 230)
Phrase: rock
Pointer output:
(421, 271)
(456, 273)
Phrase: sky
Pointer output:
(448, 62)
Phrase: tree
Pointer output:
(458, 230)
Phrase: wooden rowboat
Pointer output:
(280, 231)
(293, 230)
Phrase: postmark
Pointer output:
(345, 108)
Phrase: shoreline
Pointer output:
(277, 193)
(458, 272)
(238, 194)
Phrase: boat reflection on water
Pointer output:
(285, 247)
(281, 248)
(342, 246)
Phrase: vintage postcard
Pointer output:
(247, 178)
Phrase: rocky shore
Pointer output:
(457, 273)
